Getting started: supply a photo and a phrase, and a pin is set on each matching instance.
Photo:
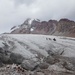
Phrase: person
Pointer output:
(54, 39)
(49, 38)
(46, 38)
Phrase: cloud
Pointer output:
(14, 12)
(27, 2)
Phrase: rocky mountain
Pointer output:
(63, 27)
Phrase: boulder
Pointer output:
(4, 58)
(1, 64)
(1, 50)
(43, 65)
(69, 66)
(16, 58)
(29, 65)
(49, 60)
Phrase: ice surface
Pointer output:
(30, 45)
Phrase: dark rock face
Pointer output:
(29, 65)
(1, 64)
(63, 27)
(43, 65)
(1, 50)
(5, 58)
(50, 60)
(16, 58)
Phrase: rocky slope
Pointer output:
(36, 55)
(63, 27)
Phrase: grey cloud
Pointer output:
(27, 2)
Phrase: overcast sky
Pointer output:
(14, 12)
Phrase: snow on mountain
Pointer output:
(30, 21)
(26, 27)
(30, 46)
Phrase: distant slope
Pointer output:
(63, 27)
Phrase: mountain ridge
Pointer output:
(63, 27)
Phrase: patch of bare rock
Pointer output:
(50, 65)
(54, 64)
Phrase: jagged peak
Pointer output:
(29, 21)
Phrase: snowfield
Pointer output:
(30, 46)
